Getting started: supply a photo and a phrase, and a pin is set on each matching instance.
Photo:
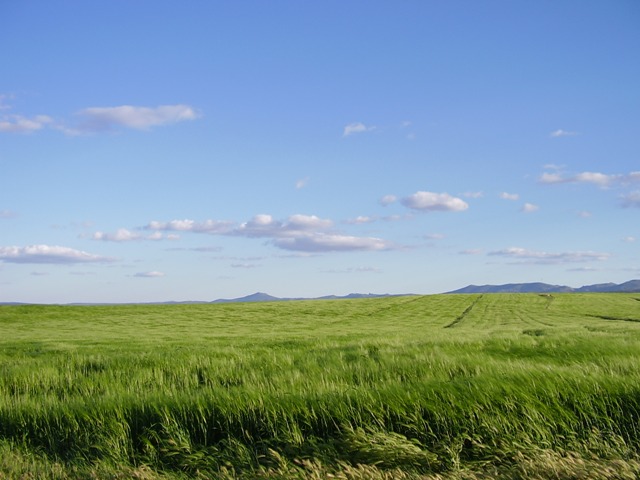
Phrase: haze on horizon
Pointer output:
(156, 151)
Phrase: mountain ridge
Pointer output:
(254, 297)
(632, 286)
(265, 297)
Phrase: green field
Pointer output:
(443, 386)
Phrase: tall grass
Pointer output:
(374, 388)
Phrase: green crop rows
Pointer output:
(443, 386)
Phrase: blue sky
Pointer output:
(155, 151)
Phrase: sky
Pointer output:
(171, 151)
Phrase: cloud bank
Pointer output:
(208, 226)
(124, 235)
(20, 124)
(322, 242)
(49, 254)
(303, 233)
(602, 180)
(99, 119)
(548, 258)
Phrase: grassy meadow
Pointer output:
(420, 387)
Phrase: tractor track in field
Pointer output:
(620, 319)
(462, 316)
(398, 306)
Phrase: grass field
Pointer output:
(442, 386)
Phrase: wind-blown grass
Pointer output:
(445, 386)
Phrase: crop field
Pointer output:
(419, 387)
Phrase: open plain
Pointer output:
(440, 386)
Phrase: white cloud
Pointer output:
(98, 119)
(632, 177)
(152, 274)
(434, 236)
(308, 222)
(629, 239)
(12, 123)
(388, 200)
(530, 208)
(509, 196)
(397, 218)
(602, 180)
(354, 270)
(359, 220)
(585, 214)
(596, 178)
(124, 235)
(582, 269)
(434, 202)
(356, 127)
(562, 133)
(265, 226)
(307, 233)
(550, 178)
(631, 199)
(536, 257)
(206, 249)
(208, 226)
(323, 242)
(302, 183)
(7, 214)
(473, 194)
(49, 254)
(243, 260)
(20, 124)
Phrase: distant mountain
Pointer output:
(599, 287)
(255, 297)
(514, 288)
(264, 297)
(358, 295)
(631, 286)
